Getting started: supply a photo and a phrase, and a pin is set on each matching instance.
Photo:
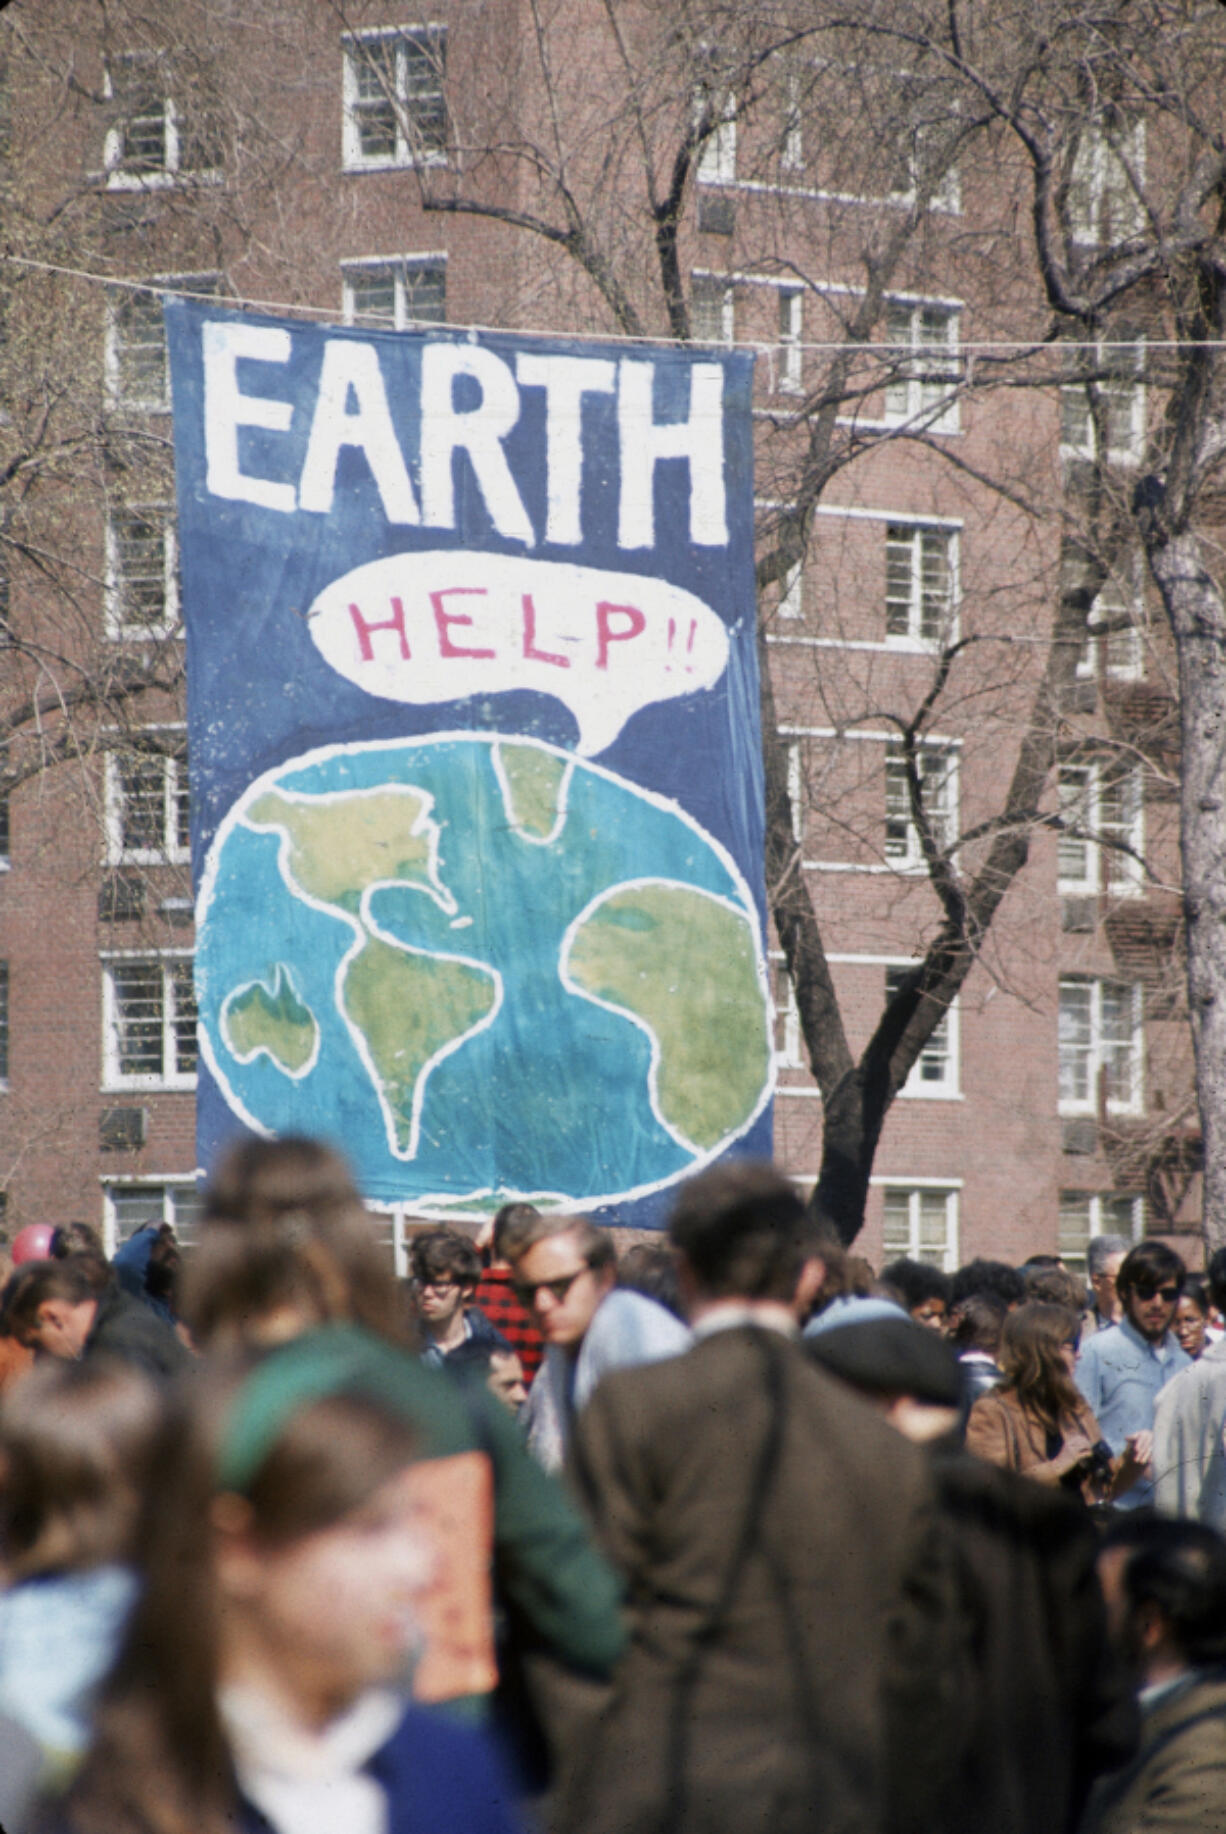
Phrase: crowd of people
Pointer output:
(733, 1534)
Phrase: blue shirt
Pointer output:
(1120, 1373)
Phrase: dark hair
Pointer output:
(76, 1238)
(1197, 1290)
(509, 1224)
(76, 1450)
(1216, 1272)
(1149, 1264)
(159, 1763)
(916, 1282)
(744, 1232)
(995, 1278)
(978, 1321)
(1180, 1567)
(1031, 1342)
(73, 1281)
(284, 1227)
(651, 1270)
(1054, 1285)
(444, 1254)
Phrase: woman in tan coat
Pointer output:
(1038, 1422)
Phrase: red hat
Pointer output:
(33, 1243)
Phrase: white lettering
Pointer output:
(351, 366)
(226, 409)
(565, 380)
(478, 431)
(644, 442)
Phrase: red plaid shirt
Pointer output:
(496, 1298)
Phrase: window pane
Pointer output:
(1073, 857)
(1075, 1033)
(140, 565)
(425, 56)
(1075, 1227)
(897, 1233)
(184, 1008)
(1118, 1008)
(372, 294)
(135, 1206)
(899, 577)
(933, 1223)
(143, 805)
(137, 993)
(934, 584)
(425, 293)
(140, 348)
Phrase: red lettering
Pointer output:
(445, 619)
(530, 650)
(605, 633)
(365, 631)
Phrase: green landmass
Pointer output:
(534, 784)
(339, 846)
(256, 1019)
(407, 1007)
(685, 965)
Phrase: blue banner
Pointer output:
(475, 764)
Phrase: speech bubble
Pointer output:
(446, 624)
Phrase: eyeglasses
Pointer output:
(526, 1290)
(1168, 1294)
(436, 1286)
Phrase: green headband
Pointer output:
(336, 1359)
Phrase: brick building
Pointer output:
(307, 157)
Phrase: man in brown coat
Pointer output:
(790, 1667)
(1165, 1586)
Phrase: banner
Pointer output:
(475, 765)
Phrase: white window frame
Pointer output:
(945, 1054)
(1100, 189)
(169, 1184)
(791, 340)
(170, 1076)
(353, 51)
(716, 162)
(1123, 399)
(1119, 653)
(906, 854)
(118, 627)
(170, 169)
(397, 268)
(924, 389)
(205, 285)
(922, 537)
(714, 285)
(1082, 1063)
(173, 771)
(915, 1190)
(1100, 1221)
(1084, 788)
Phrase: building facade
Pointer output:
(370, 167)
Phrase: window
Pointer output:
(792, 144)
(147, 808)
(937, 789)
(717, 156)
(131, 1204)
(920, 583)
(921, 1224)
(791, 595)
(789, 1053)
(407, 291)
(1085, 1214)
(1099, 1040)
(711, 310)
(149, 1019)
(935, 1071)
(154, 141)
(1120, 396)
(4, 1024)
(137, 369)
(141, 587)
(923, 151)
(1104, 205)
(1101, 804)
(922, 387)
(395, 113)
(1115, 648)
(791, 320)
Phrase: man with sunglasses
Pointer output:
(1122, 1370)
(564, 1270)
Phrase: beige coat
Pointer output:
(1000, 1430)
(1176, 1784)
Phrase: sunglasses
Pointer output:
(1168, 1294)
(527, 1290)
